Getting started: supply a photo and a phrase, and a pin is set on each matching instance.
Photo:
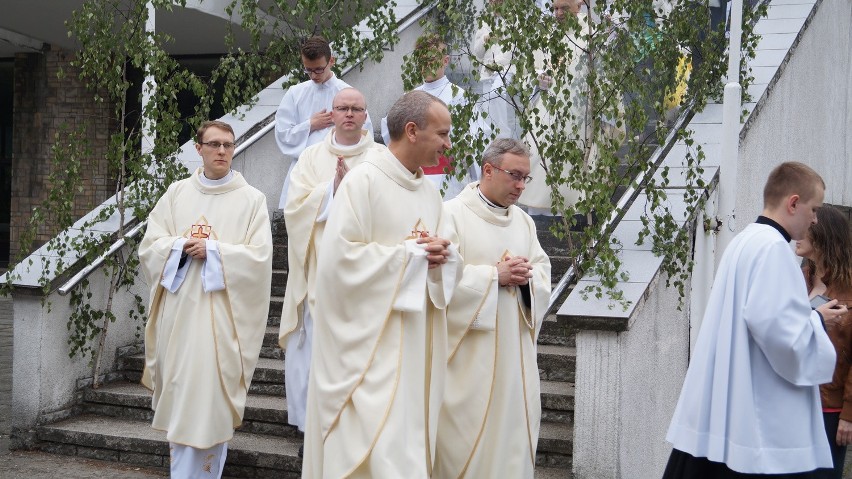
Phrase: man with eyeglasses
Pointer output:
(207, 256)
(313, 183)
(489, 421)
(304, 115)
(383, 275)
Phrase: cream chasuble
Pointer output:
(374, 398)
(201, 348)
(308, 202)
(310, 182)
(489, 421)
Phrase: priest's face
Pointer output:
(803, 214)
(504, 184)
(434, 139)
(349, 112)
(217, 152)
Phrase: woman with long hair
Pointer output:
(827, 266)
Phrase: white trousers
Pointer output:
(297, 368)
(191, 463)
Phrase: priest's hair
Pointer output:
(499, 147)
(788, 179)
(411, 107)
(199, 134)
(316, 47)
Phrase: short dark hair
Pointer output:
(199, 133)
(791, 178)
(316, 47)
(411, 107)
(499, 147)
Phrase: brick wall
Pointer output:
(43, 104)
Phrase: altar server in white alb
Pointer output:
(430, 54)
(304, 115)
(750, 403)
(489, 421)
(375, 391)
(207, 256)
(313, 184)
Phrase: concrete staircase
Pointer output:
(114, 420)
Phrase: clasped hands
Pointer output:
(437, 250)
(515, 271)
(196, 247)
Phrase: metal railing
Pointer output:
(409, 20)
(624, 202)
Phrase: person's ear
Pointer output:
(792, 204)
(198, 147)
(411, 131)
(330, 62)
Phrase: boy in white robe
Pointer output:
(304, 115)
(431, 55)
(207, 256)
(489, 421)
(750, 402)
(313, 183)
(375, 392)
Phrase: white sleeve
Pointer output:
(291, 132)
(443, 280)
(212, 278)
(325, 208)
(411, 296)
(486, 318)
(173, 273)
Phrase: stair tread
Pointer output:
(557, 387)
(556, 431)
(262, 363)
(557, 350)
(256, 401)
(138, 430)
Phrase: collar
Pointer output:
(221, 181)
(763, 220)
(488, 202)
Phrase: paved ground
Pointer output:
(36, 465)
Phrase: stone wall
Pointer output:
(44, 107)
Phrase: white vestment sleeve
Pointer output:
(173, 273)
(486, 318)
(443, 280)
(291, 132)
(212, 278)
(411, 296)
(325, 207)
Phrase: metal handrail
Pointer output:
(625, 201)
(66, 288)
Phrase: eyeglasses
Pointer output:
(515, 175)
(216, 145)
(316, 71)
(347, 109)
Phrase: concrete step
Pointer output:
(268, 375)
(264, 414)
(279, 282)
(557, 402)
(249, 455)
(557, 363)
(134, 442)
(275, 305)
(555, 445)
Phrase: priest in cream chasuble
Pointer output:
(313, 183)
(489, 421)
(207, 256)
(375, 391)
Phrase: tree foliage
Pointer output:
(592, 96)
(113, 42)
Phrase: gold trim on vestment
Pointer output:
(390, 403)
(372, 355)
(490, 396)
(526, 403)
(473, 318)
